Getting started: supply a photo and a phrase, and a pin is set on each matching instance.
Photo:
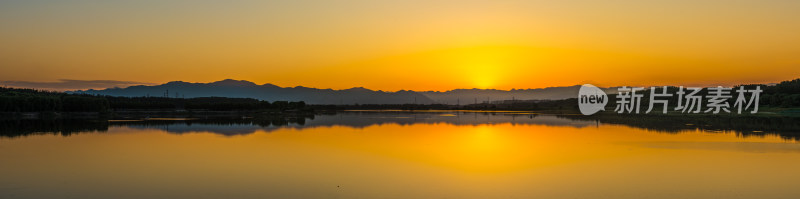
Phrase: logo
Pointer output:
(591, 99)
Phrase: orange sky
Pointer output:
(393, 45)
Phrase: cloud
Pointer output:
(71, 84)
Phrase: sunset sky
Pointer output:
(394, 45)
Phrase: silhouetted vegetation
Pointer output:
(30, 100)
(782, 95)
(201, 103)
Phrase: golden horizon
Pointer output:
(394, 46)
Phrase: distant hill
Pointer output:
(269, 92)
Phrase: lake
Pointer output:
(400, 154)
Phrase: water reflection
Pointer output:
(742, 125)
(65, 127)
(394, 155)
(785, 127)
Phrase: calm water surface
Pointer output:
(395, 155)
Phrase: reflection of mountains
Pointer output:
(786, 127)
(241, 126)
(359, 95)
(347, 119)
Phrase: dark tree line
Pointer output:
(785, 94)
(30, 100)
(200, 103)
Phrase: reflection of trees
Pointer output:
(66, 127)
(16, 128)
(785, 127)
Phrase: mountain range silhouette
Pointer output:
(356, 95)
